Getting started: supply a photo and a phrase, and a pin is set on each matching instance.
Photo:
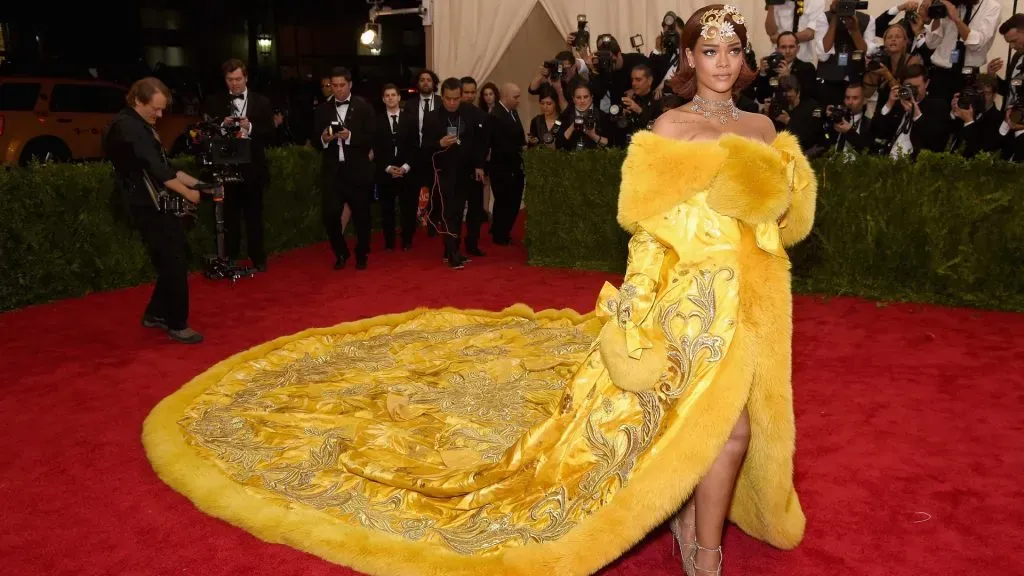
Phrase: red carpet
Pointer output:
(909, 418)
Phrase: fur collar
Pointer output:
(745, 179)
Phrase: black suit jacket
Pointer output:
(360, 121)
(458, 160)
(507, 141)
(929, 132)
(1004, 83)
(409, 140)
(387, 149)
(859, 138)
(260, 113)
(1014, 148)
(981, 136)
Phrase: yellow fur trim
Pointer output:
(746, 179)
(651, 496)
(633, 375)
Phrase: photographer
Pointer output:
(912, 119)
(849, 128)
(805, 19)
(345, 125)
(665, 57)
(131, 144)
(545, 126)
(976, 120)
(961, 34)
(889, 65)
(802, 117)
(849, 38)
(913, 26)
(1011, 88)
(561, 74)
(611, 71)
(639, 108)
(244, 114)
(781, 64)
(584, 127)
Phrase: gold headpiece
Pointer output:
(716, 23)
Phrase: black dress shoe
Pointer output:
(406, 246)
(340, 262)
(361, 264)
(150, 321)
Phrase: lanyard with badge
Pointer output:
(956, 58)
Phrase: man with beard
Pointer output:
(421, 171)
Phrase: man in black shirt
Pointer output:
(132, 145)
(453, 142)
(616, 82)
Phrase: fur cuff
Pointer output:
(630, 374)
(799, 218)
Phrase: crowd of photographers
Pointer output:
(916, 77)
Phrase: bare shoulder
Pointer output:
(760, 125)
(678, 123)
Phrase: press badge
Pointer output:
(954, 56)
(844, 59)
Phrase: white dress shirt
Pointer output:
(870, 39)
(240, 108)
(983, 23)
(813, 18)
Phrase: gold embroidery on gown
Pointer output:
(498, 438)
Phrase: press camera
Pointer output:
(670, 35)
(582, 39)
(847, 8)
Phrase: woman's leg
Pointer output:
(713, 496)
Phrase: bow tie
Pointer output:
(238, 97)
(340, 104)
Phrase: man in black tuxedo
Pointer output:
(475, 213)
(452, 138)
(345, 125)
(508, 177)
(391, 169)
(254, 115)
(908, 126)
(853, 134)
(421, 172)
(975, 125)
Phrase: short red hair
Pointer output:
(684, 81)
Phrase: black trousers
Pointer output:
(475, 214)
(507, 185)
(165, 241)
(336, 193)
(449, 203)
(407, 193)
(244, 200)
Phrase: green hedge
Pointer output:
(942, 229)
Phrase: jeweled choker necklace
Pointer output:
(721, 109)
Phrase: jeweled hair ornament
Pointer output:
(720, 23)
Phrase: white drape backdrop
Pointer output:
(471, 36)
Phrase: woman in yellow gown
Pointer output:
(521, 442)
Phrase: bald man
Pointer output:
(508, 176)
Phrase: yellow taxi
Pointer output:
(62, 119)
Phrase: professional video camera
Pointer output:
(582, 33)
(847, 8)
(219, 151)
(670, 34)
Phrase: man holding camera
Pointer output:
(849, 39)
(805, 19)
(639, 108)
(800, 116)
(783, 63)
(345, 126)
(451, 138)
(1012, 89)
(141, 172)
(961, 34)
(912, 119)
(244, 114)
(611, 71)
(976, 119)
(562, 74)
(850, 129)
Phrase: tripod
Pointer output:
(219, 266)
